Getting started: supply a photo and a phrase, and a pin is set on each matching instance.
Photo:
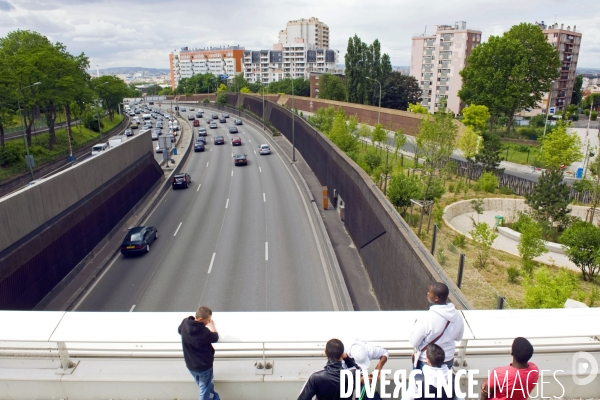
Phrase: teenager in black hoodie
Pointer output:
(197, 336)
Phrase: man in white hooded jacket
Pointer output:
(442, 325)
(433, 376)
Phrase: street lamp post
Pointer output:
(547, 113)
(293, 119)
(24, 138)
(379, 112)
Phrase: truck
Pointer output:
(116, 140)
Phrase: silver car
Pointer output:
(264, 149)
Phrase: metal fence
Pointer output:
(478, 290)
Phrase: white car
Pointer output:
(99, 148)
(154, 135)
(264, 149)
(158, 149)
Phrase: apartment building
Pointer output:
(294, 60)
(437, 59)
(217, 60)
(567, 42)
(314, 33)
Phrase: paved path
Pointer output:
(463, 224)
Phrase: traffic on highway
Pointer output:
(235, 232)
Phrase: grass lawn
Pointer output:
(519, 153)
(39, 146)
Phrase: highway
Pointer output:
(238, 239)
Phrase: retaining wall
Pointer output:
(399, 265)
(48, 228)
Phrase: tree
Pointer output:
(111, 91)
(399, 140)
(488, 182)
(489, 155)
(379, 134)
(398, 91)
(546, 290)
(322, 119)
(476, 117)
(550, 197)
(483, 235)
(582, 246)
(221, 98)
(560, 147)
(362, 61)
(404, 188)
(470, 144)
(417, 109)
(511, 72)
(436, 141)
(245, 90)
(340, 133)
(153, 90)
(166, 91)
(331, 87)
(222, 88)
(531, 244)
(373, 160)
(8, 97)
(592, 101)
(301, 87)
(577, 92)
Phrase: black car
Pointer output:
(202, 132)
(138, 240)
(181, 180)
(215, 116)
(238, 122)
(198, 146)
(240, 159)
(222, 120)
(201, 139)
(225, 115)
(198, 115)
(219, 140)
(208, 120)
(128, 132)
(233, 129)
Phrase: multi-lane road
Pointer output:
(238, 239)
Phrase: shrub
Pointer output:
(222, 98)
(506, 190)
(451, 188)
(594, 115)
(459, 186)
(459, 241)
(487, 183)
(531, 244)
(441, 256)
(513, 274)
(546, 290)
(484, 236)
(438, 215)
(10, 154)
(206, 100)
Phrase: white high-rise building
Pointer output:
(314, 33)
(436, 61)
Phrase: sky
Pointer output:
(132, 33)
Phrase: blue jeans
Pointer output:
(205, 383)
(421, 363)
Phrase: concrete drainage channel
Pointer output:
(333, 273)
(148, 203)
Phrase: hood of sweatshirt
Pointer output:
(446, 311)
(193, 327)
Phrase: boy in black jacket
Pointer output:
(197, 336)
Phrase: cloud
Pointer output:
(136, 32)
(6, 6)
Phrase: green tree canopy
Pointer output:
(398, 91)
(322, 119)
(560, 147)
(417, 109)
(489, 155)
(476, 117)
(341, 135)
(404, 188)
(331, 87)
(511, 72)
(582, 241)
(362, 61)
(301, 87)
(550, 197)
(577, 91)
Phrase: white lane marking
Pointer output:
(244, 133)
(254, 151)
(264, 198)
(198, 187)
(259, 170)
(231, 154)
(266, 251)
(212, 260)
(177, 230)
(211, 149)
(227, 204)
(232, 173)
(132, 307)
(207, 164)
(250, 141)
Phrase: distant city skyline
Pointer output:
(130, 32)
